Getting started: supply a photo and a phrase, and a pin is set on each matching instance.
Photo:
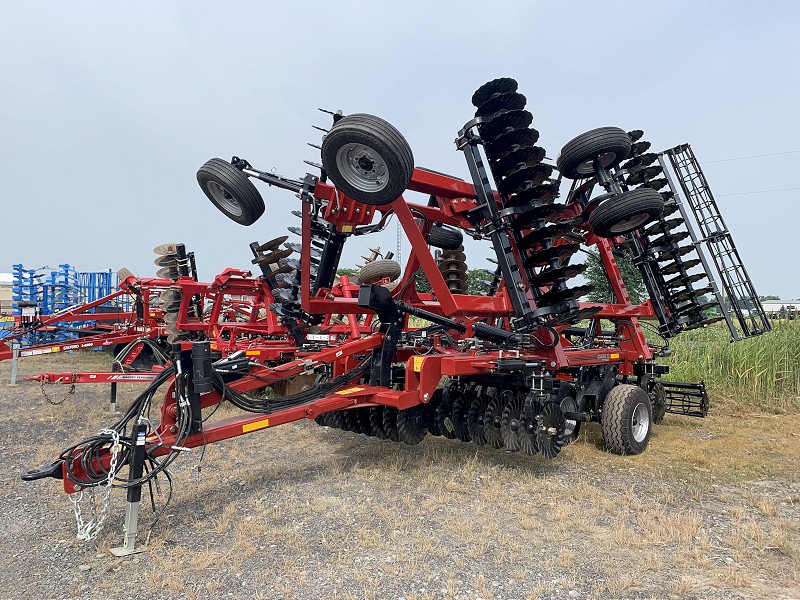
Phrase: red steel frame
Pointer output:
(279, 358)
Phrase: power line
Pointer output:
(706, 162)
(760, 192)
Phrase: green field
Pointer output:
(762, 372)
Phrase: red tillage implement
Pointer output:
(520, 365)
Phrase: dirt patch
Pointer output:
(711, 510)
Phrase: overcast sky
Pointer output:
(109, 108)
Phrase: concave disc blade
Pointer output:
(643, 174)
(681, 281)
(668, 238)
(669, 255)
(510, 141)
(502, 121)
(544, 193)
(532, 213)
(524, 178)
(520, 156)
(687, 294)
(167, 273)
(662, 226)
(299, 249)
(550, 232)
(675, 267)
(490, 88)
(166, 261)
(635, 135)
(272, 244)
(501, 101)
(273, 257)
(543, 257)
(552, 274)
(556, 296)
(643, 160)
(165, 249)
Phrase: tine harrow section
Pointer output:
(738, 299)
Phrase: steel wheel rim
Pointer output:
(224, 198)
(605, 159)
(362, 167)
(640, 422)
(630, 223)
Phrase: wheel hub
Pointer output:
(640, 422)
(362, 167)
(224, 198)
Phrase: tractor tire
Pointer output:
(376, 270)
(610, 144)
(367, 159)
(626, 212)
(445, 238)
(231, 191)
(626, 420)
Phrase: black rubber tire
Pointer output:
(445, 238)
(383, 140)
(626, 212)
(612, 144)
(230, 191)
(616, 421)
(376, 270)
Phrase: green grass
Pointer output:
(764, 370)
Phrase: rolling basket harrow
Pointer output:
(521, 365)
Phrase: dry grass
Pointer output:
(711, 510)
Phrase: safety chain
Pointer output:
(88, 531)
(70, 391)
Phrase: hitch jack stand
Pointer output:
(112, 397)
(134, 496)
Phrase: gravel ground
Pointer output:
(711, 510)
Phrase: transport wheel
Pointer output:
(626, 419)
(374, 271)
(610, 145)
(230, 191)
(445, 238)
(367, 159)
(626, 212)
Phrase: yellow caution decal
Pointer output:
(350, 391)
(417, 364)
(255, 425)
